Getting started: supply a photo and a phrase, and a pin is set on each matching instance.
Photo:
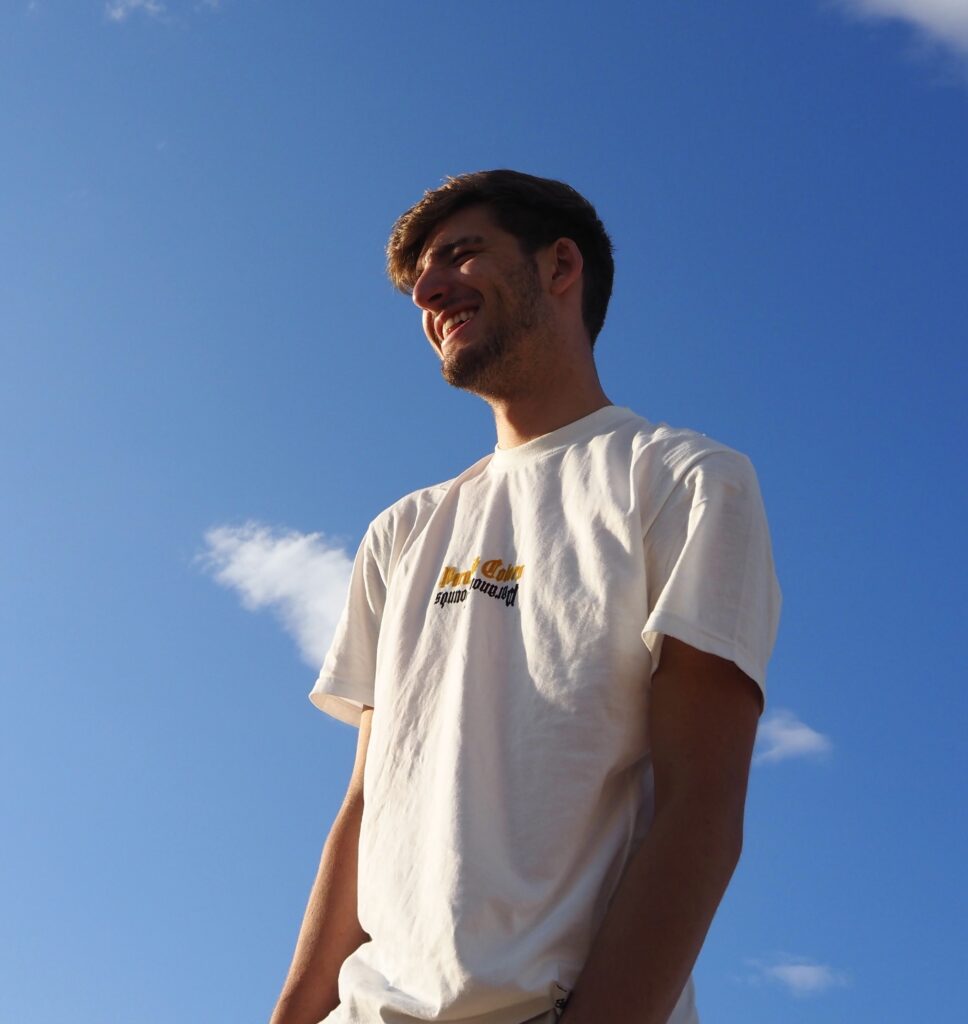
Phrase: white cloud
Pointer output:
(781, 735)
(302, 577)
(119, 10)
(799, 975)
(942, 21)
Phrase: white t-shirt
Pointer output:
(505, 626)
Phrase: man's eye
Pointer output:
(462, 256)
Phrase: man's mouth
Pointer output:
(453, 322)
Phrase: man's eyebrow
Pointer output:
(440, 253)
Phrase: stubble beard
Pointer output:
(495, 366)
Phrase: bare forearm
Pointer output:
(330, 929)
(657, 921)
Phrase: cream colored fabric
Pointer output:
(505, 626)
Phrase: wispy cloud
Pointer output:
(121, 10)
(301, 577)
(941, 21)
(799, 975)
(782, 735)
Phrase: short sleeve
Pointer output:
(346, 681)
(709, 566)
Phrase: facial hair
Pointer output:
(494, 366)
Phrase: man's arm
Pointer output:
(330, 929)
(703, 718)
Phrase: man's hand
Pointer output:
(330, 930)
(703, 717)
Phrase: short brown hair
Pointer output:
(537, 211)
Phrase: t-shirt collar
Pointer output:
(598, 422)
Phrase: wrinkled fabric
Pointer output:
(505, 626)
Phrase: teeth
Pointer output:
(451, 322)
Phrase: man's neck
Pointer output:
(522, 419)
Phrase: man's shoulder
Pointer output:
(675, 450)
(416, 500)
(419, 504)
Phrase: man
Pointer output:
(555, 660)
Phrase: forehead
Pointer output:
(471, 225)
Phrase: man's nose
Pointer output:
(430, 288)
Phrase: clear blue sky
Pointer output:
(197, 335)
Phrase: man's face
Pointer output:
(481, 299)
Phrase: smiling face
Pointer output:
(482, 303)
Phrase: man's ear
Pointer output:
(566, 267)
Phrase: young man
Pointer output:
(556, 661)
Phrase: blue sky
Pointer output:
(209, 389)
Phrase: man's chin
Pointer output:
(471, 369)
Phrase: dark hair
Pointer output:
(537, 211)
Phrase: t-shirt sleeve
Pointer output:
(709, 566)
(346, 681)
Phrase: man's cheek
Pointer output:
(428, 326)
